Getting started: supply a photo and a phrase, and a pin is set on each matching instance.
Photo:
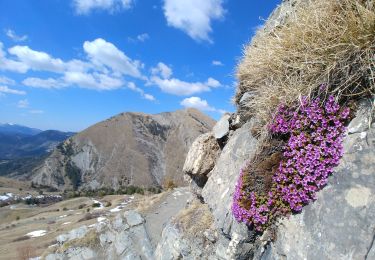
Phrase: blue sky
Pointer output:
(67, 64)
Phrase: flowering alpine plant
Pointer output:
(315, 134)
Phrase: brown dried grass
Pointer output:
(328, 42)
(194, 219)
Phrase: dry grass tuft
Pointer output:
(195, 219)
(144, 204)
(321, 42)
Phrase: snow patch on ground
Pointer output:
(117, 209)
(122, 205)
(37, 233)
(6, 196)
(98, 202)
(101, 219)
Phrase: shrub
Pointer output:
(81, 206)
(169, 184)
(96, 205)
(65, 209)
(314, 147)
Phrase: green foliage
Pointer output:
(96, 205)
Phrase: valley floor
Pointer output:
(29, 231)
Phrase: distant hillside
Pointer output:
(128, 149)
(15, 145)
(18, 129)
(23, 148)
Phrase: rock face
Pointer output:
(128, 149)
(190, 235)
(124, 238)
(218, 191)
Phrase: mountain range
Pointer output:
(23, 148)
(128, 149)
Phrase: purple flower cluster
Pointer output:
(314, 148)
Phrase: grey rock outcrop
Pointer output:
(73, 234)
(74, 253)
(202, 155)
(124, 238)
(190, 235)
(221, 129)
(128, 149)
(219, 189)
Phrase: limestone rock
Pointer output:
(116, 240)
(73, 234)
(361, 122)
(219, 189)
(133, 218)
(221, 128)
(188, 236)
(202, 155)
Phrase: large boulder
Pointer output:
(202, 155)
(221, 129)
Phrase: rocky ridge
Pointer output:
(128, 149)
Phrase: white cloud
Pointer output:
(6, 81)
(201, 104)
(163, 70)
(105, 54)
(96, 81)
(132, 86)
(37, 60)
(17, 38)
(11, 65)
(143, 37)
(162, 78)
(23, 103)
(85, 7)
(149, 97)
(194, 17)
(7, 90)
(217, 63)
(182, 88)
(49, 83)
(36, 111)
(104, 70)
